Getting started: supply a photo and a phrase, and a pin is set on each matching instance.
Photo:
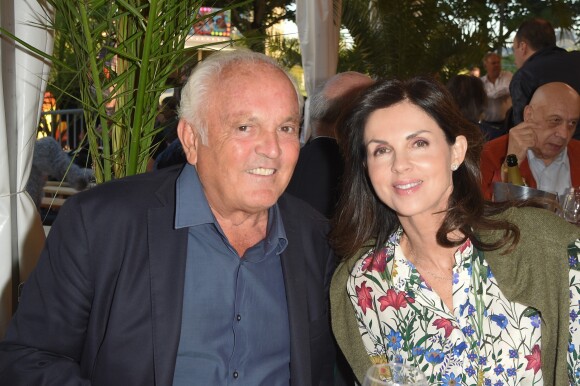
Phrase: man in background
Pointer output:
(496, 83)
(316, 178)
(540, 61)
(549, 159)
(203, 274)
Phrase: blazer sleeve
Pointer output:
(45, 339)
(492, 157)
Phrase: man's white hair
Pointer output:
(196, 92)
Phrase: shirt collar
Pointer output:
(560, 159)
(192, 208)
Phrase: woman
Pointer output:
(471, 292)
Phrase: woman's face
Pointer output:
(409, 160)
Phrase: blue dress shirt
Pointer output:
(234, 328)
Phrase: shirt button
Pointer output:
(236, 375)
(239, 317)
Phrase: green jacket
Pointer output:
(535, 274)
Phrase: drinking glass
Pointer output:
(394, 374)
(571, 206)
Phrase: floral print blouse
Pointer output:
(485, 340)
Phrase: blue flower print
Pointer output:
(571, 347)
(498, 383)
(577, 373)
(513, 353)
(573, 260)
(398, 358)
(482, 360)
(489, 273)
(434, 356)
(573, 315)
(499, 369)
(511, 372)
(487, 382)
(470, 310)
(500, 320)
(471, 356)
(451, 379)
(418, 350)
(455, 278)
(394, 340)
(535, 320)
(468, 330)
(458, 349)
(470, 371)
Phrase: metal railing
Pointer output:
(66, 126)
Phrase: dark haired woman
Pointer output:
(470, 292)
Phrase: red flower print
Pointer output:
(444, 324)
(534, 359)
(465, 245)
(395, 299)
(376, 261)
(363, 293)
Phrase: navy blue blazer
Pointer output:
(103, 306)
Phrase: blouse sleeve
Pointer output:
(574, 347)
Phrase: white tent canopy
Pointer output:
(23, 80)
(318, 24)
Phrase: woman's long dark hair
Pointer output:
(361, 216)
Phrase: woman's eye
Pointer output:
(421, 143)
(379, 151)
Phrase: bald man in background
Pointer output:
(549, 159)
(317, 174)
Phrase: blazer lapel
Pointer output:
(167, 255)
(294, 268)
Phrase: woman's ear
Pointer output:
(458, 150)
(189, 140)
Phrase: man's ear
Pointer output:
(189, 140)
(528, 113)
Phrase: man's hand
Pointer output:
(521, 138)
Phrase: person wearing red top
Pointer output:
(545, 136)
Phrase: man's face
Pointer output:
(556, 119)
(493, 66)
(252, 144)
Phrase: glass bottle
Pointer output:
(513, 170)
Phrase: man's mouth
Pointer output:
(262, 171)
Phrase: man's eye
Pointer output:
(243, 128)
(288, 129)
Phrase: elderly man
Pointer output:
(496, 83)
(540, 61)
(549, 159)
(319, 169)
(199, 275)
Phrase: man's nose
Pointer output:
(268, 144)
